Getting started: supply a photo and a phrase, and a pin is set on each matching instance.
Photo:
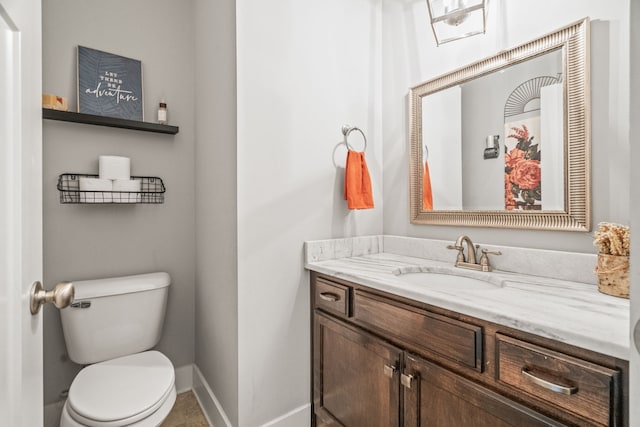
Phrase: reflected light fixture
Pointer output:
(456, 19)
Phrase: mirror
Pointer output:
(505, 142)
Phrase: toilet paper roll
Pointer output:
(95, 190)
(129, 188)
(114, 167)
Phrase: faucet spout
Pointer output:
(471, 250)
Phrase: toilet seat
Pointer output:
(122, 391)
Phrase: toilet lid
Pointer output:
(121, 389)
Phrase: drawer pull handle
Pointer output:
(329, 296)
(557, 388)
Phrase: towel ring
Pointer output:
(346, 130)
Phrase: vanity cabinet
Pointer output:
(382, 360)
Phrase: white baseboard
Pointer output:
(299, 417)
(216, 416)
(208, 402)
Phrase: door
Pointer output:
(355, 377)
(436, 397)
(20, 212)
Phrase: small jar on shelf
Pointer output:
(162, 112)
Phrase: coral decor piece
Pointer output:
(522, 175)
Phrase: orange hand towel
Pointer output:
(357, 182)
(427, 196)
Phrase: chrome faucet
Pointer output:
(471, 263)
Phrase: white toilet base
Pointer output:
(152, 420)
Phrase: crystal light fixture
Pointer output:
(456, 19)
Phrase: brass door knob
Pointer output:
(61, 296)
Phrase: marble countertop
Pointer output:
(571, 312)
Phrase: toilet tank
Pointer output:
(115, 317)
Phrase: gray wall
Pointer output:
(419, 60)
(216, 325)
(263, 191)
(92, 241)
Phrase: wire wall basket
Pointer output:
(151, 191)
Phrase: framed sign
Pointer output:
(109, 85)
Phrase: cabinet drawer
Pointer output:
(425, 332)
(583, 388)
(332, 297)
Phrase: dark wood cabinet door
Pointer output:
(436, 397)
(355, 377)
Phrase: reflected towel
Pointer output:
(357, 182)
(427, 196)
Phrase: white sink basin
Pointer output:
(453, 279)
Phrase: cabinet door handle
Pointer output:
(556, 388)
(406, 380)
(329, 296)
(389, 370)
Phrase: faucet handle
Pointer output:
(484, 259)
(460, 249)
(486, 251)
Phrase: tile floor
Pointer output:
(186, 413)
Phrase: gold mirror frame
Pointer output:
(574, 40)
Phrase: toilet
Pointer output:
(110, 327)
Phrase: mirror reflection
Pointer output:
(497, 142)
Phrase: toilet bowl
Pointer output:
(110, 326)
(137, 390)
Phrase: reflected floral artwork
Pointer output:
(522, 174)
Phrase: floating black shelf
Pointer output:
(90, 119)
